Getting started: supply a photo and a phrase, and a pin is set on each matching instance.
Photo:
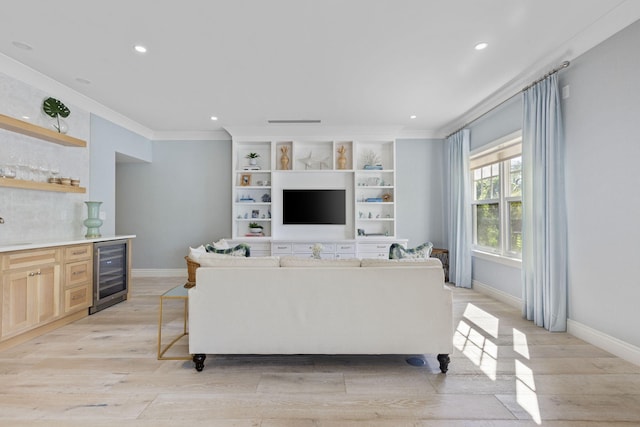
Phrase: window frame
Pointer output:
(499, 151)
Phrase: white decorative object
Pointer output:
(316, 250)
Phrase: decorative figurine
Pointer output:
(284, 159)
(342, 159)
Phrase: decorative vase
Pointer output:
(284, 159)
(342, 159)
(93, 221)
(59, 125)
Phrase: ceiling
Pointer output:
(356, 63)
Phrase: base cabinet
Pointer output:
(43, 287)
(30, 297)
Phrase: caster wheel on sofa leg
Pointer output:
(444, 360)
(198, 359)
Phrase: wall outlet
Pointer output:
(566, 92)
(102, 215)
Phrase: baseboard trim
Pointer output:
(613, 345)
(497, 294)
(159, 272)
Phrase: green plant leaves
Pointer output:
(54, 108)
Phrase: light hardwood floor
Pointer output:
(102, 371)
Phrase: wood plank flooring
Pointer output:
(103, 371)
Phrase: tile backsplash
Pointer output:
(31, 215)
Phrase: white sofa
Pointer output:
(301, 306)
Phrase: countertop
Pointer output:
(20, 246)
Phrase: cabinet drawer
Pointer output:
(378, 255)
(346, 248)
(346, 255)
(78, 272)
(281, 248)
(373, 247)
(77, 298)
(259, 253)
(76, 253)
(259, 246)
(308, 247)
(30, 258)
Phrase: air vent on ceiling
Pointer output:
(292, 121)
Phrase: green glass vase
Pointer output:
(93, 221)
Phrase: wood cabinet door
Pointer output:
(48, 289)
(18, 302)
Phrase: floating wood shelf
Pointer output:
(29, 129)
(43, 186)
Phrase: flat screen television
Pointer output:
(322, 207)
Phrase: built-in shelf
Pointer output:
(43, 186)
(35, 131)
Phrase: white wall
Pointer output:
(603, 198)
(30, 215)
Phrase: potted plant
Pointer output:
(56, 109)
(253, 158)
(255, 228)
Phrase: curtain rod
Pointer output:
(562, 66)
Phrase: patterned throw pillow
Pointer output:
(397, 251)
(241, 249)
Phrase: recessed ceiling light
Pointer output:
(413, 116)
(83, 80)
(22, 45)
(25, 117)
(214, 118)
(481, 45)
(140, 49)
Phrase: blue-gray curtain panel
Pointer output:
(544, 234)
(459, 209)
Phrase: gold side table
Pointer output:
(180, 293)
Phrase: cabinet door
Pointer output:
(18, 301)
(48, 289)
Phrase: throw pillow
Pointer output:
(397, 251)
(241, 250)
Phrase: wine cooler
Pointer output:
(110, 278)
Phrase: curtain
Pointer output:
(544, 234)
(459, 227)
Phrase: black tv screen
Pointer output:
(314, 206)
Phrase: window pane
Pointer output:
(487, 222)
(515, 176)
(515, 227)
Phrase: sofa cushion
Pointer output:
(220, 260)
(404, 262)
(397, 251)
(291, 261)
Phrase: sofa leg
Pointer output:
(198, 359)
(444, 360)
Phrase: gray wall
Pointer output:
(108, 139)
(603, 199)
(419, 175)
(502, 121)
(181, 199)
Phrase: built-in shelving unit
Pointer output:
(364, 168)
(35, 131)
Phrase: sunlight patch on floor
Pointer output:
(525, 383)
(474, 344)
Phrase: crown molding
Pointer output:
(613, 22)
(212, 135)
(19, 71)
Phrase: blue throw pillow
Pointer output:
(397, 251)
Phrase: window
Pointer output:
(497, 197)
